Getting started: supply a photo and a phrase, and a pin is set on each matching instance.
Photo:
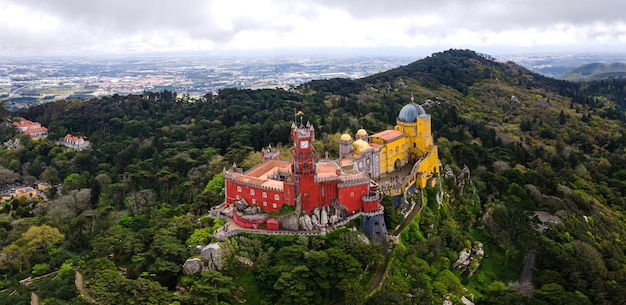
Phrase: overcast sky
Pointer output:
(38, 27)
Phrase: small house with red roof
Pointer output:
(75, 142)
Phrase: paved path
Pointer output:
(526, 275)
(34, 299)
(80, 286)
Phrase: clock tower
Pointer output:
(303, 165)
(303, 155)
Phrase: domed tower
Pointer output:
(415, 123)
(359, 146)
(361, 134)
(345, 145)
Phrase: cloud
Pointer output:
(66, 26)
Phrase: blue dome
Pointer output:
(410, 112)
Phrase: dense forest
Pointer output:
(515, 146)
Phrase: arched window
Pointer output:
(264, 195)
(252, 192)
(239, 189)
(414, 145)
(276, 197)
(253, 201)
(274, 205)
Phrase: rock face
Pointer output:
(212, 255)
(193, 265)
(306, 223)
(211, 258)
(289, 222)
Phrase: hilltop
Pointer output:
(532, 167)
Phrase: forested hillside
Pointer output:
(132, 209)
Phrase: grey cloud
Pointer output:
(91, 24)
(488, 13)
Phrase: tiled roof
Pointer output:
(388, 135)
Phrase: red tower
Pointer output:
(303, 165)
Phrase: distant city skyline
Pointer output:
(391, 27)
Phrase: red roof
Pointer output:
(24, 123)
(35, 130)
(388, 135)
(73, 139)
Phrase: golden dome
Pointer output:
(346, 137)
(359, 146)
(361, 133)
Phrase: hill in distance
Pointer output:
(596, 71)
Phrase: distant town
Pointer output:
(29, 81)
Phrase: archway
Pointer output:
(397, 165)
(413, 158)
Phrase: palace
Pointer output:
(410, 142)
(274, 182)
(339, 188)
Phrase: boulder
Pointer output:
(212, 254)
(324, 218)
(193, 265)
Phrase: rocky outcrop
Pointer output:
(211, 258)
(306, 223)
(193, 265)
(289, 222)
(469, 260)
(212, 255)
